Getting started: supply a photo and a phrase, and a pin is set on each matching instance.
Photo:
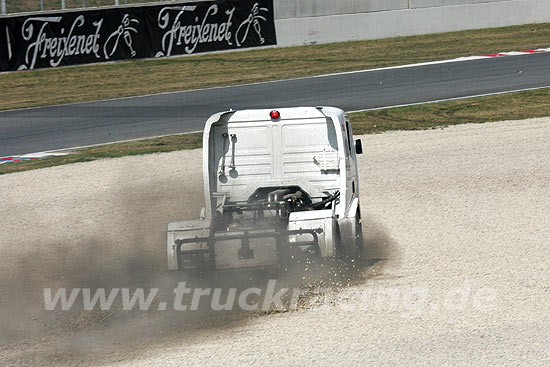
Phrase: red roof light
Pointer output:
(274, 114)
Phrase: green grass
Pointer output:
(145, 146)
(93, 82)
(511, 106)
(518, 105)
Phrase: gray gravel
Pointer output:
(460, 216)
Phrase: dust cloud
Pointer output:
(133, 256)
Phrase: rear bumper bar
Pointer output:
(282, 237)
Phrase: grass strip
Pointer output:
(509, 106)
(512, 106)
(102, 81)
(145, 146)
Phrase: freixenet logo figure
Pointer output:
(254, 21)
(124, 31)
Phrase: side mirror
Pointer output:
(358, 146)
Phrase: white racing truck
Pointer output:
(278, 184)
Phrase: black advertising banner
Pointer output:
(82, 37)
(4, 50)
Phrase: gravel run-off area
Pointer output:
(457, 230)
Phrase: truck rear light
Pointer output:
(274, 114)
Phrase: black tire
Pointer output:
(353, 249)
(340, 251)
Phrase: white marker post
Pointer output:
(63, 5)
(3, 8)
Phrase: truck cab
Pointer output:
(276, 182)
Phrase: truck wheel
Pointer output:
(340, 252)
(353, 246)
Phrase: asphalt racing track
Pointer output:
(47, 128)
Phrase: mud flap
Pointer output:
(351, 232)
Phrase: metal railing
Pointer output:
(23, 6)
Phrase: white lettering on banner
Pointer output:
(56, 48)
(194, 34)
(60, 39)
